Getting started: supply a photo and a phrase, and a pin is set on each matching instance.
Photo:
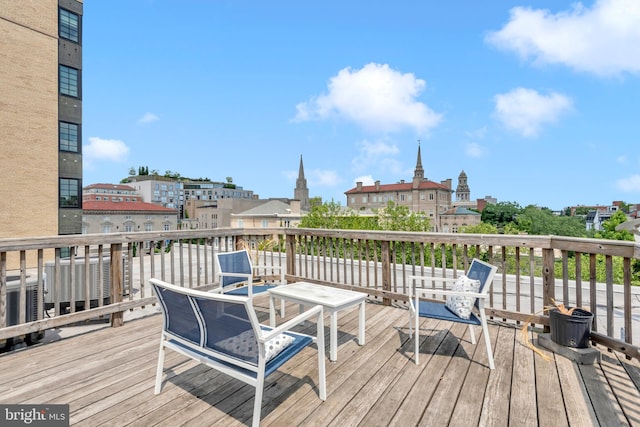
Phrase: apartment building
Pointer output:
(420, 195)
(117, 208)
(41, 117)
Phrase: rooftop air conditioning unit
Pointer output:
(31, 304)
(64, 290)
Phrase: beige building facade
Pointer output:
(420, 195)
(40, 117)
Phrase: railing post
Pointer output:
(548, 280)
(386, 270)
(290, 249)
(117, 319)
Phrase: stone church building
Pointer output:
(421, 195)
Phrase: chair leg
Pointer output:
(487, 341)
(257, 404)
(472, 334)
(416, 338)
(160, 368)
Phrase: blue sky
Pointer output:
(538, 101)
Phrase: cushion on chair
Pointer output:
(276, 344)
(461, 305)
(246, 345)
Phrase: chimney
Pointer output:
(378, 185)
(359, 185)
(294, 205)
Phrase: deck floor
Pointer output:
(107, 378)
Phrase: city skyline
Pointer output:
(519, 95)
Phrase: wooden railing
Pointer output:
(533, 271)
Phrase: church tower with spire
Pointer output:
(301, 192)
(418, 174)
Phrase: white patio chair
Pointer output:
(465, 302)
(236, 271)
(223, 332)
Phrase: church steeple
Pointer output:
(301, 191)
(418, 175)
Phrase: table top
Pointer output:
(318, 294)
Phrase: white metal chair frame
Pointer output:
(246, 275)
(204, 352)
(477, 270)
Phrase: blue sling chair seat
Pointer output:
(223, 332)
(465, 302)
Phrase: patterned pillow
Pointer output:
(461, 305)
(246, 346)
(276, 344)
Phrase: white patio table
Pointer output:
(331, 299)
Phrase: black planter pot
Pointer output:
(571, 331)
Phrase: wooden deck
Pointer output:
(107, 378)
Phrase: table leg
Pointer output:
(272, 311)
(361, 324)
(333, 332)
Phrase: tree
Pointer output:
(482, 228)
(500, 214)
(609, 228)
(400, 218)
(541, 221)
(322, 215)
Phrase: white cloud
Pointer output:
(525, 110)
(373, 153)
(630, 184)
(375, 97)
(111, 150)
(474, 150)
(323, 178)
(148, 118)
(622, 158)
(603, 39)
(365, 180)
(477, 133)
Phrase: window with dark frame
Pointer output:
(69, 193)
(68, 25)
(69, 136)
(69, 81)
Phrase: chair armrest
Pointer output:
(433, 279)
(428, 278)
(446, 292)
(312, 312)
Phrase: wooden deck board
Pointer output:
(107, 377)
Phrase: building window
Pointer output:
(69, 82)
(167, 227)
(240, 223)
(69, 193)
(106, 229)
(128, 228)
(265, 223)
(69, 137)
(69, 25)
(148, 227)
(430, 196)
